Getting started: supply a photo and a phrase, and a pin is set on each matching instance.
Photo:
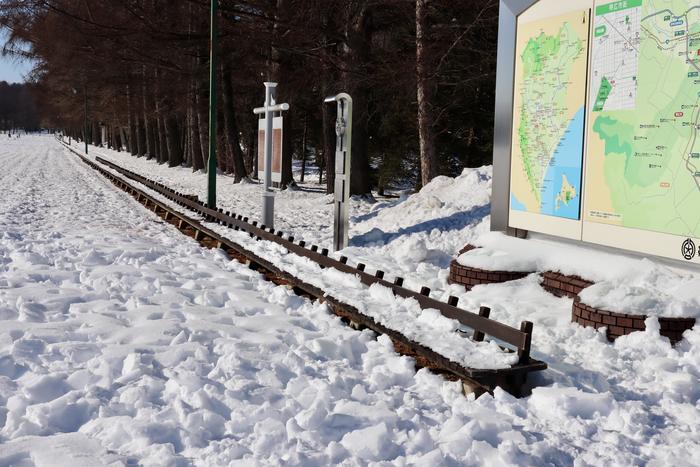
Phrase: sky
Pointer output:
(11, 70)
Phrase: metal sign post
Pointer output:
(343, 155)
(269, 108)
(211, 162)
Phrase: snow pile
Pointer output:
(498, 251)
(650, 290)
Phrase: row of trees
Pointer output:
(421, 73)
(17, 108)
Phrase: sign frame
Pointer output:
(633, 241)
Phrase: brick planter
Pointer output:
(619, 324)
(466, 248)
(562, 285)
(469, 277)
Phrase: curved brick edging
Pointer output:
(467, 247)
(619, 324)
(562, 285)
(469, 277)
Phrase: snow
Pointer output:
(413, 236)
(426, 327)
(649, 290)
(623, 283)
(123, 342)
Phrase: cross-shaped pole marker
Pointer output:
(269, 109)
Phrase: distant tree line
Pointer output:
(17, 107)
(421, 73)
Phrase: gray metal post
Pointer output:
(508, 13)
(268, 212)
(268, 194)
(343, 157)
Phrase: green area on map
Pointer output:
(603, 93)
(650, 168)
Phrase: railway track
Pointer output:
(475, 380)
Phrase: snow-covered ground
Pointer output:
(417, 239)
(123, 342)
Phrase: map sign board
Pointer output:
(644, 128)
(548, 115)
(605, 135)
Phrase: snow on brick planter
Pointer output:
(620, 324)
(469, 277)
(562, 285)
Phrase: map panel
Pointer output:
(549, 114)
(643, 162)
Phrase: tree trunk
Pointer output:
(231, 128)
(203, 121)
(329, 142)
(281, 66)
(356, 57)
(173, 141)
(303, 148)
(131, 142)
(117, 140)
(424, 92)
(195, 143)
(253, 148)
(163, 154)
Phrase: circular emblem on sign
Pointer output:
(688, 249)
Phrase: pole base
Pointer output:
(268, 209)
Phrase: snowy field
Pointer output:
(122, 342)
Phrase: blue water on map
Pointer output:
(567, 160)
(515, 204)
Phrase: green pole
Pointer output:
(211, 166)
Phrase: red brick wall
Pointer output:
(561, 285)
(469, 277)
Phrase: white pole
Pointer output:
(268, 194)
